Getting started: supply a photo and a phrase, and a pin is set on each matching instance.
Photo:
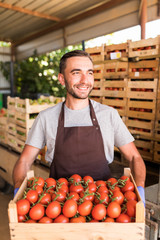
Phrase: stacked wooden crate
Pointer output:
(142, 94)
(3, 126)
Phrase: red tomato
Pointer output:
(59, 196)
(64, 188)
(92, 187)
(131, 208)
(103, 189)
(74, 195)
(23, 206)
(50, 183)
(76, 188)
(85, 208)
(70, 208)
(101, 198)
(123, 218)
(62, 181)
(111, 181)
(38, 189)
(128, 187)
(87, 196)
(45, 220)
(88, 179)
(113, 210)
(75, 178)
(99, 211)
(53, 210)
(32, 196)
(108, 219)
(100, 183)
(21, 218)
(46, 199)
(37, 211)
(61, 219)
(119, 197)
(36, 181)
(125, 178)
(79, 219)
(129, 195)
(30, 221)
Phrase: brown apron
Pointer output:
(79, 150)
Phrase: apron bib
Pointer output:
(79, 150)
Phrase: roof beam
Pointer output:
(29, 12)
(66, 22)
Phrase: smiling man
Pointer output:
(80, 134)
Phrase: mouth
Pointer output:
(83, 87)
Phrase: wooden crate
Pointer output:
(68, 231)
(96, 53)
(116, 51)
(145, 147)
(11, 103)
(3, 136)
(21, 133)
(157, 130)
(142, 88)
(115, 69)
(144, 47)
(120, 104)
(140, 127)
(25, 119)
(157, 152)
(19, 145)
(11, 129)
(141, 109)
(11, 115)
(158, 92)
(143, 69)
(11, 141)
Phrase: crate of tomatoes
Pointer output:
(78, 208)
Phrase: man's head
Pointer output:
(75, 53)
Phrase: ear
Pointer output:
(61, 79)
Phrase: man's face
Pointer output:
(78, 77)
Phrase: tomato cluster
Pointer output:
(77, 199)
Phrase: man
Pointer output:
(80, 134)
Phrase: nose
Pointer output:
(84, 78)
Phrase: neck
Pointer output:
(76, 104)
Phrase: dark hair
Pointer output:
(75, 53)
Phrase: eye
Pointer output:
(90, 73)
(76, 72)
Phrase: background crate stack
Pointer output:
(96, 93)
(116, 51)
(96, 53)
(3, 126)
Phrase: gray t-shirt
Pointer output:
(44, 129)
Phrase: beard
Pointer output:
(76, 94)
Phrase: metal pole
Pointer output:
(12, 72)
(143, 18)
(83, 45)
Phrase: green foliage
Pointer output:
(38, 74)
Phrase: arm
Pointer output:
(23, 164)
(136, 163)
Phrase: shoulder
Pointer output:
(101, 108)
(51, 111)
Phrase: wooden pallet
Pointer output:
(11, 103)
(136, 108)
(11, 128)
(68, 231)
(96, 53)
(116, 51)
(3, 136)
(115, 69)
(25, 119)
(11, 115)
(144, 47)
(145, 148)
(143, 69)
(98, 70)
(120, 104)
(157, 151)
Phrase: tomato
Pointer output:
(70, 208)
(85, 208)
(45, 198)
(76, 188)
(103, 189)
(37, 211)
(62, 181)
(38, 189)
(114, 188)
(32, 196)
(92, 187)
(99, 211)
(53, 210)
(45, 220)
(128, 187)
(129, 195)
(123, 218)
(88, 179)
(100, 183)
(113, 210)
(119, 197)
(87, 196)
(36, 181)
(40, 182)
(74, 195)
(131, 208)
(101, 198)
(50, 183)
(21, 218)
(79, 219)
(23, 206)
(108, 219)
(125, 178)
(59, 196)
(30, 221)
(64, 188)
(111, 181)
(75, 178)
(61, 219)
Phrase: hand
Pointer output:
(15, 191)
(142, 193)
